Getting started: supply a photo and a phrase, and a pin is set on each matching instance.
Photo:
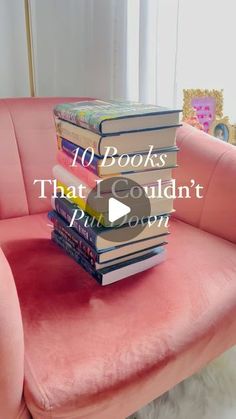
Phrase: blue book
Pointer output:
(70, 148)
(113, 253)
(97, 235)
(116, 272)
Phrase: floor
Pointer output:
(209, 394)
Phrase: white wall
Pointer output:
(13, 49)
(206, 53)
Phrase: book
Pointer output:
(111, 165)
(97, 235)
(87, 176)
(100, 202)
(131, 142)
(97, 265)
(91, 179)
(114, 117)
(65, 176)
(90, 162)
(113, 253)
(159, 207)
(117, 272)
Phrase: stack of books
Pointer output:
(97, 142)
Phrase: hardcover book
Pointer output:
(131, 142)
(97, 266)
(101, 256)
(116, 116)
(155, 194)
(158, 206)
(116, 272)
(98, 236)
(88, 177)
(65, 176)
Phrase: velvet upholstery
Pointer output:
(212, 164)
(101, 353)
(11, 344)
(27, 152)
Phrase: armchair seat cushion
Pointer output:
(23, 228)
(90, 348)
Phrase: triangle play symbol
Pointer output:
(117, 209)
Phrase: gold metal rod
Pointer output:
(29, 47)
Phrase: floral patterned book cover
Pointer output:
(92, 114)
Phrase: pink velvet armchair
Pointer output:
(71, 349)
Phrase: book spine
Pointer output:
(72, 236)
(85, 175)
(71, 148)
(60, 241)
(80, 136)
(72, 117)
(83, 205)
(66, 211)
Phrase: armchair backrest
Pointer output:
(27, 152)
(211, 163)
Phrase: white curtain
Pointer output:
(79, 47)
(106, 48)
(148, 50)
(14, 79)
(152, 38)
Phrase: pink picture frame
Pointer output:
(205, 105)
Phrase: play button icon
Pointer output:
(116, 210)
(120, 204)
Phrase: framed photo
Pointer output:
(205, 105)
(223, 130)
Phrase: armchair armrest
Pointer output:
(212, 164)
(11, 344)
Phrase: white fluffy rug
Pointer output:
(209, 394)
